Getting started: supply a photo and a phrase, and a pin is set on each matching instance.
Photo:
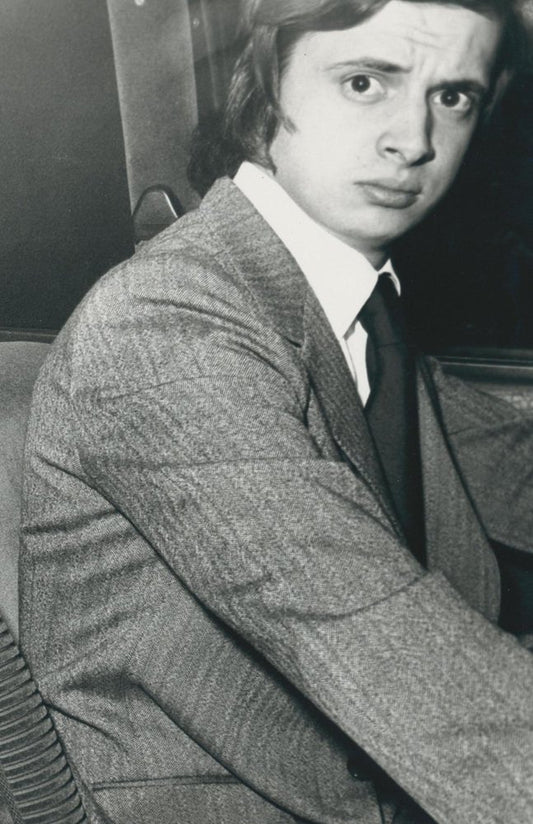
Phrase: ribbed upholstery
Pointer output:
(34, 775)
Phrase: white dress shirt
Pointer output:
(340, 276)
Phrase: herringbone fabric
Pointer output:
(216, 597)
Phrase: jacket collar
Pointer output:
(260, 258)
(281, 291)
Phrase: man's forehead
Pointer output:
(406, 31)
(429, 24)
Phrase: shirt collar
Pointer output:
(340, 276)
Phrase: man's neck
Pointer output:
(377, 257)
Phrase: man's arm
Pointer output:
(200, 438)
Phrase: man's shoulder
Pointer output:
(183, 298)
(172, 267)
(198, 253)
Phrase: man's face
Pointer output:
(382, 115)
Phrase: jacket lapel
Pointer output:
(338, 396)
(456, 543)
(281, 291)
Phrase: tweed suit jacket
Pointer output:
(216, 598)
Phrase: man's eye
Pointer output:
(455, 100)
(362, 85)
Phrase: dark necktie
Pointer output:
(391, 410)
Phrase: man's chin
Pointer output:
(383, 231)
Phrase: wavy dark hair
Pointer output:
(270, 30)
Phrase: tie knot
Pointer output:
(382, 316)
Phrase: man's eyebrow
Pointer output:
(370, 63)
(461, 84)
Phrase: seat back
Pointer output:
(19, 364)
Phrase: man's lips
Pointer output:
(390, 193)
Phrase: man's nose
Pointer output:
(407, 136)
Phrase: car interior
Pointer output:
(100, 99)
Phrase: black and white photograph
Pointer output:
(266, 412)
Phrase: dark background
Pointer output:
(468, 269)
(64, 207)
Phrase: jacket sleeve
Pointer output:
(193, 422)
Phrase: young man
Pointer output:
(248, 595)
